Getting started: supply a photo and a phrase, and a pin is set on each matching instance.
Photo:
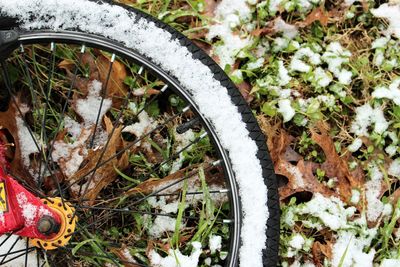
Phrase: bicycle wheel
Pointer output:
(141, 133)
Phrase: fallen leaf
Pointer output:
(335, 166)
(262, 31)
(114, 79)
(321, 252)
(245, 88)
(300, 175)
(318, 14)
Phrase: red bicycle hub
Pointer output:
(46, 222)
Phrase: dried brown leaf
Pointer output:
(300, 176)
(116, 88)
(321, 252)
(245, 88)
(335, 166)
(318, 14)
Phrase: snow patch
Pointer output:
(372, 194)
(215, 243)
(350, 249)
(365, 116)
(89, 107)
(330, 211)
(355, 145)
(26, 142)
(285, 108)
(391, 13)
(229, 14)
(391, 92)
(176, 259)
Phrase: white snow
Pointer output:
(355, 196)
(380, 42)
(298, 176)
(256, 64)
(29, 211)
(390, 263)
(89, 107)
(372, 194)
(391, 92)
(274, 5)
(26, 142)
(379, 57)
(335, 56)
(128, 256)
(215, 243)
(321, 77)
(350, 248)
(391, 150)
(298, 63)
(229, 14)
(71, 155)
(283, 75)
(355, 145)
(181, 141)
(297, 241)
(288, 31)
(391, 13)
(210, 96)
(176, 259)
(141, 128)
(365, 117)
(330, 211)
(162, 204)
(394, 168)
(161, 225)
(286, 109)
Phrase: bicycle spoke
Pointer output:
(10, 249)
(27, 252)
(221, 191)
(193, 173)
(115, 125)
(125, 210)
(46, 93)
(18, 256)
(64, 109)
(37, 258)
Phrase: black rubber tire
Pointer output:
(270, 254)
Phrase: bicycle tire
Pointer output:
(39, 15)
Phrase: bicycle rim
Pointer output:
(44, 111)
